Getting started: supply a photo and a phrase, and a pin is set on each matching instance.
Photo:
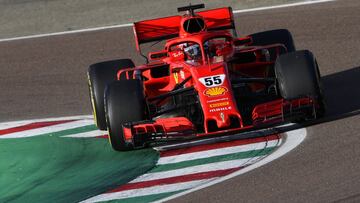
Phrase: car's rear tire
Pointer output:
(99, 76)
(279, 36)
(298, 75)
(124, 102)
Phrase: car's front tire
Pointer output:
(298, 75)
(124, 102)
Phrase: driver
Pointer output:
(193, 52)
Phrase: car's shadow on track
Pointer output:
(342, 93)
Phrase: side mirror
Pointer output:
(243, 41)
(158, 55)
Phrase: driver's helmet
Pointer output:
(193, 52)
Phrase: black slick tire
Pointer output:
(99, 76)
(279, 36)
(298, 76)
(124, 102)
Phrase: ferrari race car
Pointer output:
(205, 82)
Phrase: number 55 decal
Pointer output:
(213, 81)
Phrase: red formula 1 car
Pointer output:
(205, 82)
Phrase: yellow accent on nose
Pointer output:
(176, 77)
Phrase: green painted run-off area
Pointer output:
(58, 169)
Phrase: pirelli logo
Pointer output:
(219, 104)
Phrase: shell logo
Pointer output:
(215, 91)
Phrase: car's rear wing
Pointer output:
(169, 27)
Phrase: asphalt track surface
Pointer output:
(29, 17)
(46, 77)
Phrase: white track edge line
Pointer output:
(48, 129)
(20, 122)
(202, 168)
(291, 140)
(130, 24)
(217, 152)
(93, 133)
(153, 190)
(282, 6)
